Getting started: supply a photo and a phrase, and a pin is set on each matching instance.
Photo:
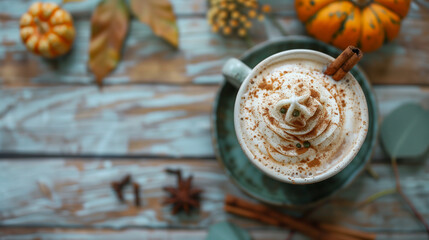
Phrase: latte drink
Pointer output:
(296, 122)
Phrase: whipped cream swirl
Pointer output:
(294, 115)
(297, 121)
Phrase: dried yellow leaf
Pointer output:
(159, 15)
(109, 26)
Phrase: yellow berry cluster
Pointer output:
(235, 16)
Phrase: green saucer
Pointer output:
(251, 180)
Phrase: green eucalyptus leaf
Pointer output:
(227, 231)
(405, 131)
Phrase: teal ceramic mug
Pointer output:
(238, 74)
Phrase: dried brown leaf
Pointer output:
(109, 26)
(159, 15)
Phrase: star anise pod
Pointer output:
(183, 197)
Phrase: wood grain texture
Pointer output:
(77, 193)
(182, 7)
(83, 9)
(164, 118)
(147, 59)
(149, 120)
(155, 234)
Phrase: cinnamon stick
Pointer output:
(344, 63)
(302, 227)
(337, 236)
(259, 209)
(235, 201)
(305, 228)
(265, 214)
(339, 61)
(346, 231)
(252, 215)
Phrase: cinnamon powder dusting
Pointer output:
(315, 94)
(271, 119)
(265, 86)
(286, 148)
(301, 151)
(313, 163)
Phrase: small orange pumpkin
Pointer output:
(363, 23)
(47, 30)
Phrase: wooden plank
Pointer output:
(147, 59)
(182, 7)
(13, 9)
(145, 120)
(155, 234)
(120, 120)
(77, 193)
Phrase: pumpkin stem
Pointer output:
(42, 27)
(362, 3)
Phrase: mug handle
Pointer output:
(235, 71)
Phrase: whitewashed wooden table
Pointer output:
(62, 141)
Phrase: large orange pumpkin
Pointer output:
(47, 30)
(363, 23)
